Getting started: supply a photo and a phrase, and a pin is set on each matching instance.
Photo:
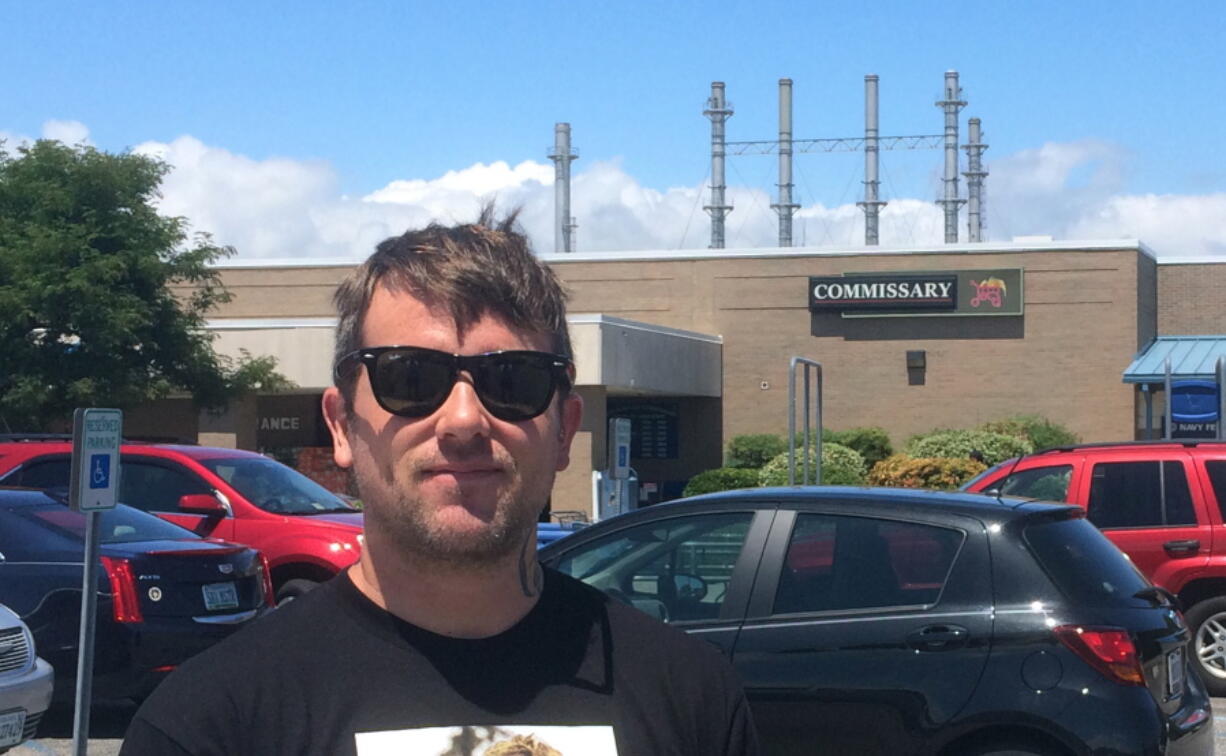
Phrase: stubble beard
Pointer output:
(417, 531)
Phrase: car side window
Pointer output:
(156, 488)
(1049, 483)
(836, 563)
(1217, 479)
(676, 570)
(1139, 495)
(47, 474)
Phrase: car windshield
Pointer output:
(273, 487)
(985, 474)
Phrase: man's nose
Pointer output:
(462, 416)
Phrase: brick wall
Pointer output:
(1192, 299)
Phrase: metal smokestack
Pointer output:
(784, 207)
(563, 224)
(719, 111)
(871, 204)
(952, 104)
(975, 174)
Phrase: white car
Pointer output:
(25, 682)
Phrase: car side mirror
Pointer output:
(205, 504)
(690, 587)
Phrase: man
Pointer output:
(453, 407)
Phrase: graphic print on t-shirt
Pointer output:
(490, 740)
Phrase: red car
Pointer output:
(307, 532)
(1163, 503)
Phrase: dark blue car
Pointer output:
(164, 594)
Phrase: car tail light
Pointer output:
(266, 580)
(1108, 650)
(124, 602)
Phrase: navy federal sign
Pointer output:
(884, 292)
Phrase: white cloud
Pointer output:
(281, 207)
(68, 132)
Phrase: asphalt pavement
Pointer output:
(108, 721)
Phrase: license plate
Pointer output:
(12, 724)
(220, 596)
(1174, 673)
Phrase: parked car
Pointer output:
(1162, 503)
(548, 532)
(307, 532)
(894, 621)
(164, 594)
(25, 682)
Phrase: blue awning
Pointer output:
(1191, 357)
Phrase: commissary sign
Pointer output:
(996, 291)
(883, 292)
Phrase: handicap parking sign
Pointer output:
(99, 471)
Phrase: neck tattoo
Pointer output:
(531, 577)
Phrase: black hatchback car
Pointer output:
(893, 621)
(164, 593)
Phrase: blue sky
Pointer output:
(1121, 100)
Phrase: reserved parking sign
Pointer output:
(94, 480)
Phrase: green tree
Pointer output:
(88, 275)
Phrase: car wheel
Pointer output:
(295, 588)
(1208, 622)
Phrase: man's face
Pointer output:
(459, 486)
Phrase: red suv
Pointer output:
(1162, 503)
(307, 532)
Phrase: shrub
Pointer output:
(995, 447)
(903, 471)
(841, 466)
(752, 450)
(1038, 430)
(721, 479)
(872, 443)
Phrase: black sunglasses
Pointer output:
(414, 381)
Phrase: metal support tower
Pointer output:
(719, 111)
(785, 206)
(975, 174)
(563, 223)
(952, 104)
(871, 204)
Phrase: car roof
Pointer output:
(896, 499)
(34, 444)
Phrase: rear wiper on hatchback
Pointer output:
(1160, 596)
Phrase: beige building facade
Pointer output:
(694, 347)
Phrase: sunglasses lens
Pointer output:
(411, 384)
(515, 387)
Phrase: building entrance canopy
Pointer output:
(1192, 357)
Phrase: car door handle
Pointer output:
(938, 638)
(1190, 546)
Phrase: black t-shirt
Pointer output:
(332, 673)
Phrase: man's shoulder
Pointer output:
(638, 626)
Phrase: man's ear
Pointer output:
(336, 415)
(572, 415)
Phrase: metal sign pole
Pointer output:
(85, 655)
(1221, 398)
(93, 485)
(1167, 424)
(809, 366)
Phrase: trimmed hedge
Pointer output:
(752, 450)
(902, 471)
(995, 447)
(873, 444)
(721, 479)
(841, 466)
(1038, 430)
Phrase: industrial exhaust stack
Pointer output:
(784, 207)
(975, 174)
(719, 111)
(563, 224)
(952, 104)
(871, 204)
